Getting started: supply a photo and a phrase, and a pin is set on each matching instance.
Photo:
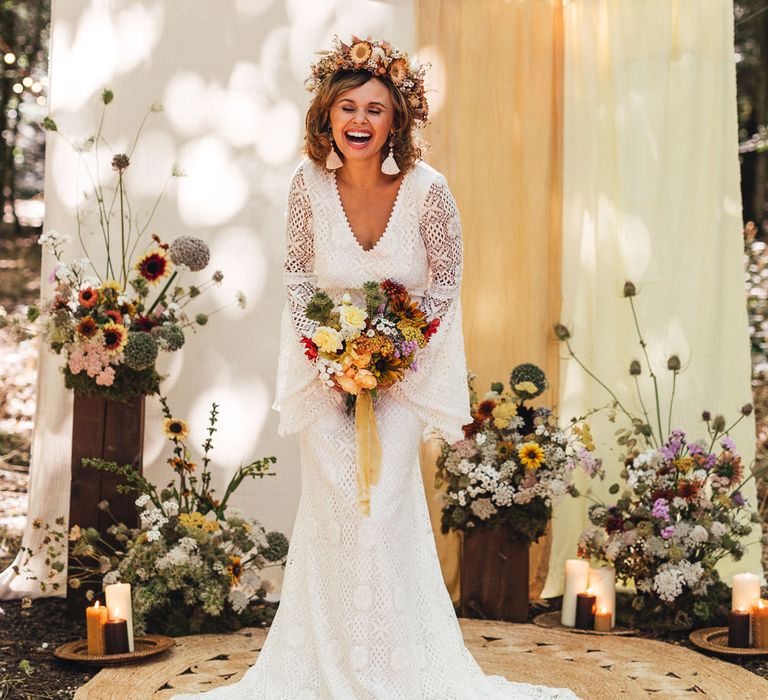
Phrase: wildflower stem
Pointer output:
(161, 296)
(645, 410)
(123, 273)
(650, 368)
(671, 402)
(598, 380)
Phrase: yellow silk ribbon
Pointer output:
(368, 450)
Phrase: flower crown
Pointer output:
(383, 61)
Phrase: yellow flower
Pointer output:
(115, 337)
(175, 428)
(234, 569)
(527, 387)
(683, 464)
(502, 414)
(197, 521)
(398, 71)
(327, 339)
(111, 286)
(360, 52)
(531, 455)
(352, 316)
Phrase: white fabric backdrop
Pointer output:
(651, 194)
(230, 75)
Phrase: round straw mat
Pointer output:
(595, 668)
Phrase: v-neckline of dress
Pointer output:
(348, 225)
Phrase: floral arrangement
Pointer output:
(194, 563)
(111, 323)
(680, 510)
(514, 462)
(382, 60)
(368, 346)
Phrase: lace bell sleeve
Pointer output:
(437, 390)
(298, 269)
(440, 228)
(300, 397)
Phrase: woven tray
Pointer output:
(552, 621)
(144, 647)
(716, 639)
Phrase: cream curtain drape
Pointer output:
(495, 133)
(651, 194)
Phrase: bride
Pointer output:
(364, 612)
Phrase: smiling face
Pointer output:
(361, 120)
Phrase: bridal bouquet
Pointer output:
(363, 348)
(370, 346)
(514, 462)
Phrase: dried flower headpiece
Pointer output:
(383, 61)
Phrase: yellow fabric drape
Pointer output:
(496, 133)
(368, 450)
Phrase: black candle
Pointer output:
(738, 629)
(585, 611)
(116, 633)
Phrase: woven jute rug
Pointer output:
(595, 668)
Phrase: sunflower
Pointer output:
(531, 455)
(154, 265)
(88, 297)
(87, 327)
(728, 469)
(234, 569)
(402, 306)
(175, 428)
(398, 71)
(115, 337)
(360, 52)
(116, 316)
(388, 370)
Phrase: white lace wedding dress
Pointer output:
(364, 613)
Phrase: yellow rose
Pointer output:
(327, 339)
(365, 380)
(352, 316)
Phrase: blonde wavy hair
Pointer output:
(407, 143)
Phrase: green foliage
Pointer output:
(319, 308)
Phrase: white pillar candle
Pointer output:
(118, 597)
(746, 591)
(576, 581)
(602, 581)
(745, 594)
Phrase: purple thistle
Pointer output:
(738, 499)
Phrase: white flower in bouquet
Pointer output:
(483, 508)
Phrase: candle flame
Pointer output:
(590, 591)
(603, 610)
(760, 604)
(96, 605)
(117, 612)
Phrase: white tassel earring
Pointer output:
(389, 166)
(333, 162)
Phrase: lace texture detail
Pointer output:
(364, 613)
